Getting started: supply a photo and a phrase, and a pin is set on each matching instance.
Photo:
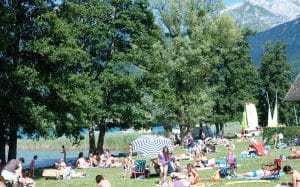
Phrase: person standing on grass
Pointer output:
(32, 165)
(101, 182)
(64, 152)
(163, 162)
(190, 144)
(130, 150)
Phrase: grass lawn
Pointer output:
(115, 174)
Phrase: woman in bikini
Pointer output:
(192, 174)
(295, 176)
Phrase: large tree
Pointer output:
(185, 98)
(234, 76)
(119, 36)
(275, 77)
(42, 69)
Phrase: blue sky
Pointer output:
(230, 2)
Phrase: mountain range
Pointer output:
(272, 20)
(261, 15)
(288, 33)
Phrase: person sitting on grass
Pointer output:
(269, 170)
(156, 166)
(26, 180)
(2, 182)
(19, 171)
(192, 174)
(128, 165)
(177, 166)
(9, 171)
(230, 146)
(91, 160)
(231, 160)
(101, 182)
(60, 165)
(295, 153)
(176, 182)
(81, 163)
(202, 160)
(295, 177)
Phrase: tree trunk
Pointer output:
(92, 142)
(102, 128)
(217, 129)
(12, 142)
(2, 144)
(200, 130)
(182, 131)
(168, 130)
(222, 129)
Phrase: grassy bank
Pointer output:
(115, 174)
(113, 141)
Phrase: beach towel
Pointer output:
(259, 147)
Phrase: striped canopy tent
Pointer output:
(294, 93)
(151, 145)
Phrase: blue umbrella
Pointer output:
(150, 146)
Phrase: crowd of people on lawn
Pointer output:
(166, 164)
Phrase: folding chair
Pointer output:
(274, 169)
(139, 169)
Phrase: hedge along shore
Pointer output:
(113, 141)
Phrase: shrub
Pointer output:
(288, 132)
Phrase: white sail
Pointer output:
(270, 119)
(275, 114)
(252, 118)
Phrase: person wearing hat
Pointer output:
(176, 182)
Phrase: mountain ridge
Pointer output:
(288, 33)
(261, 15)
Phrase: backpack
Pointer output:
(223, 172)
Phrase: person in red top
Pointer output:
(32, 165)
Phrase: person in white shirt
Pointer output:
(280, 137)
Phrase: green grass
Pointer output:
(115, 174)
(112, 141)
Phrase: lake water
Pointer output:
(48, 158)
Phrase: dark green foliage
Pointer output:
(288, 132)
(235, 79)
(275, 76)
(119, 38)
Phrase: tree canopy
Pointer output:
(93, 64)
